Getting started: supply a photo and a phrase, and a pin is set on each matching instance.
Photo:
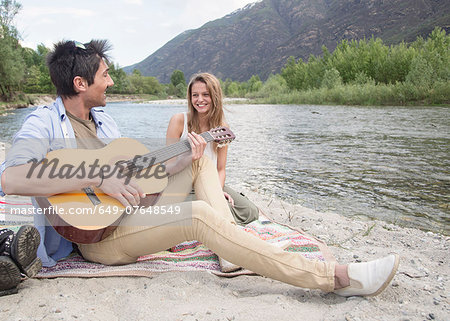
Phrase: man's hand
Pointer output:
(128, 194)
(198, 145)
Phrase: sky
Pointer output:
(135, 28)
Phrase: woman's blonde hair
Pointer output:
(215, 114)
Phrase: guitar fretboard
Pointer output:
(163, 154)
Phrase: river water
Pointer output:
(387, 163)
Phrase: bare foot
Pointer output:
(341, 278)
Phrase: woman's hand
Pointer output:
(198, 145)
(229, 198)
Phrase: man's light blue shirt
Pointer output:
(43, 131)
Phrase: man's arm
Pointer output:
(32, 142)
(32, 180)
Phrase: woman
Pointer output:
(205, 111)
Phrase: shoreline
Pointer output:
(42, 99)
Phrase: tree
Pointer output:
(11, 61)
(254, 83)
(37, 77)
(331, 79)
(177, 84)
(177, 78)
(8, 10)
(121, 81)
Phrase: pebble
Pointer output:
(426, 288)
(351, 318)
(424, 269)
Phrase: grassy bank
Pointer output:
(399, 94)
(20, 101)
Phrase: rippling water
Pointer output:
(389, 163)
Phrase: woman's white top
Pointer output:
(209, 150)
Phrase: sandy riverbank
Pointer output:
(419, 291)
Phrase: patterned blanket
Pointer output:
(189, 256)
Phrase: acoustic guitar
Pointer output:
(83, 216)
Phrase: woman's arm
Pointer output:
(221, 169)
(173, 134)
(175, 129)
(221, 164)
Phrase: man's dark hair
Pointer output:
(70, 59)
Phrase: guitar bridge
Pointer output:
(91, 195)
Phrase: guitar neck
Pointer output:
(166, 153)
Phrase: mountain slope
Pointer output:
(259, 38)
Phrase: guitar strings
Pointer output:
(164, 153)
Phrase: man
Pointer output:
(80, 74)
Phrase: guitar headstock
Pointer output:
(222, 136)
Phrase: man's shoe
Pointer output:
(9, 276)
(24, 250)
(370, 278)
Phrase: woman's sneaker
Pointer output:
(370, 278)
(24, 250)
